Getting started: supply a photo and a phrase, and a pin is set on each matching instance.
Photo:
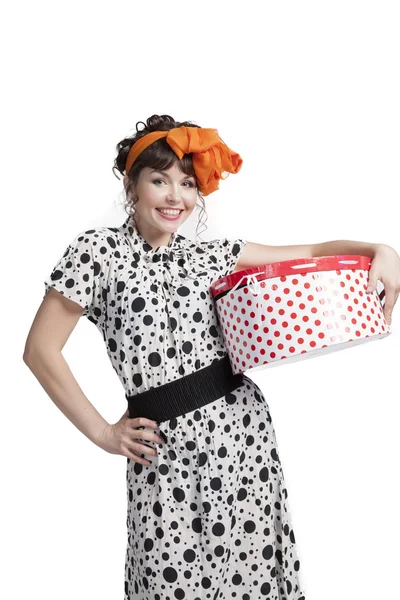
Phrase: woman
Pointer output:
(208, 516)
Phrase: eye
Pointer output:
(155, 180)
(190, 183)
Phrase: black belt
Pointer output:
(185, 393)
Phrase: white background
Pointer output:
(308, 93)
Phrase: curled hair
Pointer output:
(159, 155)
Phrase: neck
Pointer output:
(153, 236)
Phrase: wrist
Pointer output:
(381, 249)
(378, 249)
(97, 436)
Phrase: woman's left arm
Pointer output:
(385, 264)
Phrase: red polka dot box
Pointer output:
(294, 309)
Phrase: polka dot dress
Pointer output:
(209, 518)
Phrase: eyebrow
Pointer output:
(166, 174)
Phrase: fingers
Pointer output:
(137, 433)
(390, 301)
(138, 459)
(143, 422)
(136, 449)
(388, 310)
(390, 294)
(139, 449)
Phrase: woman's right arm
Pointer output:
(53, 324)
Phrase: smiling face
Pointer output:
(171, 190)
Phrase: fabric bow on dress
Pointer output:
(172, 265)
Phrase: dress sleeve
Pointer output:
(75, 275)
(226, 253)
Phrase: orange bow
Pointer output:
(211, 156)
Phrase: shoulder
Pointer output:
(99, 242)
(223, 244)
(219, 246)
(219, 254)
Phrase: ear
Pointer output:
(128, 182)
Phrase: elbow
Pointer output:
(36, 354)
(29, 354)
(27, 357)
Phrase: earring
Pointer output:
(132, 204)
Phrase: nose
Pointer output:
(174, 194)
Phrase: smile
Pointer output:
(170, 213)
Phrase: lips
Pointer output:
(170, 217)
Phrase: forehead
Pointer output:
(173, 171)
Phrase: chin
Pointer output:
(168, 225)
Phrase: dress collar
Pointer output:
(176, 260)
(130, 228)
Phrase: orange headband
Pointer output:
(211, 156)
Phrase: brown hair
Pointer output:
(158, 155)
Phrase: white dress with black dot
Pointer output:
(209, 518)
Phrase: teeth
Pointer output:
(169, 211)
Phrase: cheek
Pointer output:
(190, 199)
(151, 197)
